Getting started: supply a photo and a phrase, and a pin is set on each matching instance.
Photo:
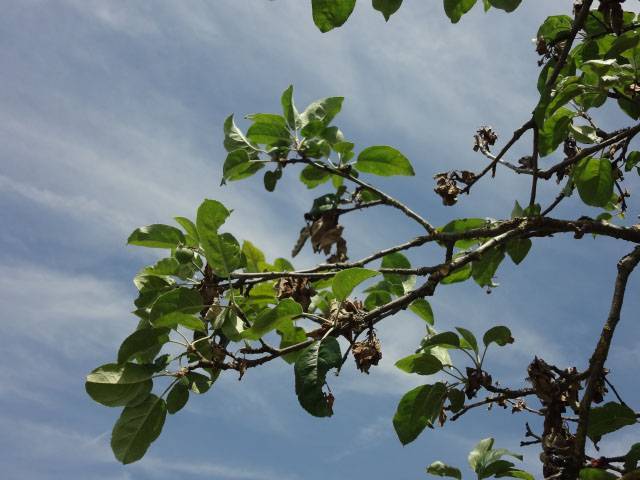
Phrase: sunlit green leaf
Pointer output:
(289, 109)
(142, 340)
(383, 160)
(420, 363)
(346, 280)
(446, 339)
(156, 236)
(439, 469)
(455, 9)
(238, 166)
(273, 318)
(596, 474)
(594, 179)
(329, 14)
(116, 385)
(175, 319)
(182, 299)
(422, 308)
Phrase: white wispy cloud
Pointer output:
(48, 443)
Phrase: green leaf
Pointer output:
(177, 398)
(312, 176)
(608, 418)
(273, 318)
(459, 275)
(417, 409)
(271, 180)
(185, 256)
(329, 14)
(199, 383)
(595, 474)
(233, 327)
(478, 452)
(387, 7)
(500, 335)
(283, 265)
(116, 385)
(238, 165)
(456, 399)
(594, 179)
(585, 134)
(289, 109)
(498, 468)
(554, 131)
(533, 210)
(484, 269)
(126, 374)
(626, 41)
(632, 457)
(463, 225)
(515, 473)
(311, 372)
(420, 363)
(555, 28)
(469, 338)
(291, 335)
(346, 280)
(383, 160)
(422, 308)
(439, 469)
(517, 211)
(632, 160)
(210, 217)
(441, 353)
(175, 319)
(142, 340)
(255, 258)
(376, 299)
(223, 253)
(445, 339)
(188, 226)
(506, 5)
(111, 395)
(395, 260)
(566, 91)
(182, 299)
(137, 428)
(234, 138)
(323, 110)
(518, 249)
(456, 8)
(631, 108)
(268, 129)
(156, 236)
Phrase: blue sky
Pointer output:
(111, 117)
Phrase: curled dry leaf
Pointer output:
(447, 188)
(484, 138)
(299, 289)
(367, 353)
(324, 232)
